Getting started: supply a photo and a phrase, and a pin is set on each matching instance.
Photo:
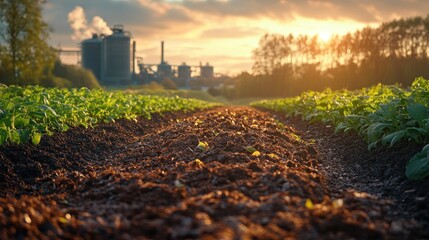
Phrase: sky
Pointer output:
(220, 32)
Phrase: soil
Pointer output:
(194, 176)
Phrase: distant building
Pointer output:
(109, 57)
(184, 75)
(180, 74)
(207, 71)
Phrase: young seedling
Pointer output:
(203, 146)
(253, 151)
(309, 204)
(256, 154)
(250, 149)
(273, 156)
(199, 163)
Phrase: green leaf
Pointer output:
(63, 127)
(418, 166)
(417, 111)
(49, 109)
(14, 136)
(21, 122)
(3, 136)
(36, 137)
(250, 149)
(2, 113)
(376, 129)
(393, 138)
(24, 135)
(372, 145)
(341, 127)
(416, 133)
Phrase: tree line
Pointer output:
(25, 56)
(395, 52)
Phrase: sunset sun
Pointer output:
(324, 36)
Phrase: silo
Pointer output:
(207, 71)
(184, 75)
(164, 71)
(116, 55)
(91, 55)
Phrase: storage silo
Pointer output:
(164, 71)
(91, 55)
(184, 75)
(116, 56)
(207, 71)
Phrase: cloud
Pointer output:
(157, 17)
(366, 11)
(231, 32)
(156, 7)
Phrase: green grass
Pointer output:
(382, 115)
(28, 113)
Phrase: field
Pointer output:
(381, 115)
(29, 113)
(108, 165)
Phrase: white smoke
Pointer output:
(81, 29)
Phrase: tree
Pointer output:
(272, 53)
(169, 84)
(71, 76)
(26, 55)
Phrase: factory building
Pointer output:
(207, 71)
(109, 57)
(184, 75)
(112, 58)
(164, 69)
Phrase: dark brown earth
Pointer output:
(149, 180)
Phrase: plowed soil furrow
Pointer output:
(225, 173)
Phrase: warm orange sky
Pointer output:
(222, 32)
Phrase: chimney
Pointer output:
(134, 58)
(162, 51)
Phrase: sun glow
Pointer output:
(325, 29)
(324, 36)
(236, 54)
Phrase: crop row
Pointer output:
(383, 115)
(27, 113)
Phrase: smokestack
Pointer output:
(134, 58)
(162, 51)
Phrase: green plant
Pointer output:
(418, 166)
(28, 113)
(382, 115)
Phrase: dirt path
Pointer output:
(194, 176)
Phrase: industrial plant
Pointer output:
(112, 59)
